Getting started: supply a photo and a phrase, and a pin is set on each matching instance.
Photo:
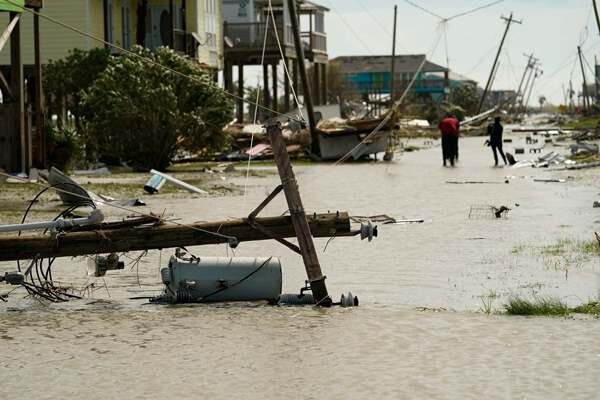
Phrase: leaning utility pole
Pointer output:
(596, 13)
(526, 88)
(509, 21)
(571, 97)
(306, 246)
(314, 143)
(393, 69)
(585, 94)
(538, 72)
(529, 60)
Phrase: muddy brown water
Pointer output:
(419, 333)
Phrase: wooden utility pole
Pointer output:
(585, 93)
(18, 91)
(393, 68)
(118, 237)
(298, 216)
(526, 88)
(41, 156)
(596, 13)
(537, 73)
(314, 145)
(596, 87)
(488, 86)
(529, 60)
(571, 97)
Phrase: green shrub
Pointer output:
(142, 114)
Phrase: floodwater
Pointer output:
(420, 331)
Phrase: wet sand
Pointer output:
(419, 333)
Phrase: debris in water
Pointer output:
(583, 148)
(474, 182)
(177, 182)
(484, 211)
(72, 193)
(386, 220)
(550, 180)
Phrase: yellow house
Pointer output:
(191, 27)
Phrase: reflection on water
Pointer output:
(112, 347)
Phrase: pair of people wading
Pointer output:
(449, 127)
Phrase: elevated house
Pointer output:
(371, 75)
(244, 28)
(191, 27)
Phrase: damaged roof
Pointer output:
(404, 63)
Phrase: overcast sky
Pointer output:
(552, 29)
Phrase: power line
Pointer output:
(350, 28)
(142, 58)
(474, 10)
(444, 21)
(378, 23)
(425, 10)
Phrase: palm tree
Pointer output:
(542, 101)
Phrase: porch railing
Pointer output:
(252, 35)
(317, 41)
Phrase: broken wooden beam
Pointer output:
(100, 241)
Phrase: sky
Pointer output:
(552, 29)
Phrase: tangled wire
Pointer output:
(37, 277)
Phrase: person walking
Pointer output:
(449, 128)
(495, 131)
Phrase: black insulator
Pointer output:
(296, 299)
(184, 296)
(13, 278)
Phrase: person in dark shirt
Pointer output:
(449, 128)
(495, 132)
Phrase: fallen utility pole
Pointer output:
(585, 94)
(488, 85)
(164, 236)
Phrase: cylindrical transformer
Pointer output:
(221, 279)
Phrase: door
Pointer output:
(159, 32)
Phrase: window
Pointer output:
(210, 23)
(126, 26)
(108, 21)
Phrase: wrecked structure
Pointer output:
(70, 235)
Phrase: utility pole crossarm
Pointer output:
(488, 85)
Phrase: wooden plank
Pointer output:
(164, 236)
(8, 30)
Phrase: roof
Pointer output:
(6, 6)
(403, 63)
(304, 5)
